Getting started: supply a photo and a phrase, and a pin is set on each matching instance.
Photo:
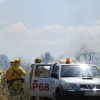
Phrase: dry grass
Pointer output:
(5, 93)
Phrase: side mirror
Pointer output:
(54, 76)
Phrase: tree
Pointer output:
(61, 57)
(83, 49)
(4, 62)
(46, 58)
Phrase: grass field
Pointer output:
(6, 94)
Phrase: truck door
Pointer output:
(55, 82)
(41, 82)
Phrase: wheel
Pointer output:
(58, 96)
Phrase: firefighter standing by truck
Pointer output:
(37, 60)
(17, 76)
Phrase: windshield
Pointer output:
(79, 71)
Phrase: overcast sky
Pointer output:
(29, 28)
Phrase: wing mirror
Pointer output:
(54, 76)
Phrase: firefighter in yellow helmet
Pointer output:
(7, 76)
(37, 60)
(17, 75)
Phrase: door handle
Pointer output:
(35, 80)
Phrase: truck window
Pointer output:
(42, 71)
(79, 71)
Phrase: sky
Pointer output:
(30, 28)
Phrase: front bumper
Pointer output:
(79, 94)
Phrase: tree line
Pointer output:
(46, 58)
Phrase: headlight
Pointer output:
(70, 86)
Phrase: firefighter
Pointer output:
(17, 75)
(37, 60)
(7, 76)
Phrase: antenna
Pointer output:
(91, 42)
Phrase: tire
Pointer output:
(58, 96)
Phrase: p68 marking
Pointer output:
(41, 86)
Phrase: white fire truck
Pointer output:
(65, 80)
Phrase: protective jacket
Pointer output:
(16, 75)
(8, 74)
(18, 72)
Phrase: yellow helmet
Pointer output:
(17, 60)
(37, 60)
(12, 61)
